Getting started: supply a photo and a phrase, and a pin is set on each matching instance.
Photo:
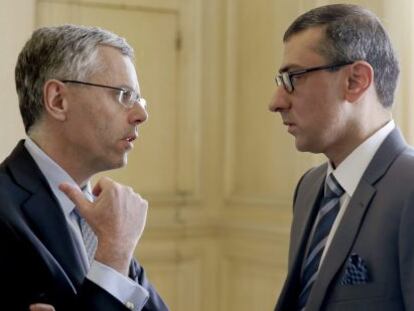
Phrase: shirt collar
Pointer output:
(55, 175)
(350, 171)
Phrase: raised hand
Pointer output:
(117, 216)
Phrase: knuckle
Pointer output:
(144, 203)
(106, 181)
(118, 187)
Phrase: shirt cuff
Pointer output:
(130, 293)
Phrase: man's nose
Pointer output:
(138, 114)
(280, 100)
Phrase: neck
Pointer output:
(59, 152)
(355, 136)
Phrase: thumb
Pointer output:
(41, 307)
(77, 197)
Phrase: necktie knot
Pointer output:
(332, 187)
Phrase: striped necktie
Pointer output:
(89, 238)
(326, 216)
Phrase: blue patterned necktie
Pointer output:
(326, 216)
(89, 237)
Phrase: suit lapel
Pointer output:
(348, 229)
(44, 215)
(342, 243)
(305, 210)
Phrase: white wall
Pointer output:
(16, 25)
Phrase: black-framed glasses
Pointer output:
(125, 97)
(285, 78)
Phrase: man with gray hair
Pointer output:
(65, 244)
(351, 236)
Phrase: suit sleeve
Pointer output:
(93, 297)
(406, 253)
(154, 302)
(28, 279)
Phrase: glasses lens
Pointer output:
(287, 82)
(278, 80)
(128, 98)
(142, 102)
(125, 98)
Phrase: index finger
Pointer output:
(76, 196)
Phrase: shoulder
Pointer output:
(312, 175)
(9, 188)
(407, 156)
(403, 165)
(12, 197)
(309, 179)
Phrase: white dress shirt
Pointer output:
(124, 289)
(349, 173)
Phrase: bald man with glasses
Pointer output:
(351, 236)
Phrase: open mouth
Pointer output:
(131, 139)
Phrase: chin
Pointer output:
(301, 147)
(114, 164)
(122, 162)
(119, 164)
(305, 147)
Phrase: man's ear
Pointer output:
(360, 78)
(54, 98)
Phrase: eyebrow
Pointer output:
(289, 67)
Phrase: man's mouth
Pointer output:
(290, 126)
(131, 138)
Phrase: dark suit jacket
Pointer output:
(38, 259)
(378, 226)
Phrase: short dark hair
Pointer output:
(62, 52)
(354, 33)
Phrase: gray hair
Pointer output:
(354, 33)
(62, 52)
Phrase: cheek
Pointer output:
(333, 124)
(311, 113)
(102, 121)
(90, 130)
(107, 129)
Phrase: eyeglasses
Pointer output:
(125, 97)
(285, 78)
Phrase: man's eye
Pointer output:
(126, 96)
(295, 78)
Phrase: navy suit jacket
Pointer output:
(376, 235)
(38, 259)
